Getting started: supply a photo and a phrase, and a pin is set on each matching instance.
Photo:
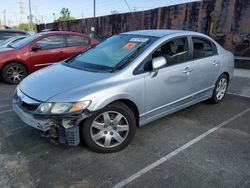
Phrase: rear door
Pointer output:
(206, 65)
(52, 51)
(75, 44)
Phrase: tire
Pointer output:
(220, 89)
(13, 73)
(111, 129)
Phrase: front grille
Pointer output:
(24, 102)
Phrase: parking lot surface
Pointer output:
(181, 157)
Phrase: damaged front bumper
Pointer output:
(61, 128)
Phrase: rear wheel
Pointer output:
(13, 73)
(220, 89)
(111, 129)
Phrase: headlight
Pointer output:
(44, 108)
(62, 108)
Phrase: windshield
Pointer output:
(24, 42)
(110, 53)
(11, 41)
(6, 41)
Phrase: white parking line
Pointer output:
(240, 95)
(175, 152)
(5, 111)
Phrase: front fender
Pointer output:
(109, 99)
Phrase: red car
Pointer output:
(38, 51)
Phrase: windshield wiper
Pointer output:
(128, 59)
(10, 46)
(95, 70)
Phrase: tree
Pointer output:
(23, 26)
(65, 16)
(114, 12)
(65, 13)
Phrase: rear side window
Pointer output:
(203, 48)
(51, 42)
(75, 40)
(175, 51)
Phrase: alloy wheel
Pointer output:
(15, 73)
(221, 88)
(109, 129)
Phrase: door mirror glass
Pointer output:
(36, 48)
(158, 63)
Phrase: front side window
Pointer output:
(75, 40)
(51, 42)
(175, 51)
(203, 48)
(111, 54)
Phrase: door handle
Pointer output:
(187, 70)
(215, 63)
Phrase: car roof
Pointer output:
(13, 31)
(59, 32)
(159, 32)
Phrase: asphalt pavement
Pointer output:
(204, 145)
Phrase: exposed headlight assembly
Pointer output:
(62, 108)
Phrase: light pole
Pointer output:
(5, 21)
(30, 16)
(94, 16)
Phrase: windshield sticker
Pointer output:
(138, 40)
(129, 45)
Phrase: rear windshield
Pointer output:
(112, 52)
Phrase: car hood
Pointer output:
(4, 49)
(56, 79)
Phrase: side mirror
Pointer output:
(158, 63)
(36, 48)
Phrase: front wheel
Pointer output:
(13, 73)
(111, 129)
(220, 89)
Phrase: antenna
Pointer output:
(21, 11)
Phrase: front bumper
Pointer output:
(61, 128)
(40, 124)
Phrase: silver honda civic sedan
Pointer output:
(101, 95)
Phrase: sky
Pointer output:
(43, 10)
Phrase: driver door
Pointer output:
(52, 50)
(171, 87)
